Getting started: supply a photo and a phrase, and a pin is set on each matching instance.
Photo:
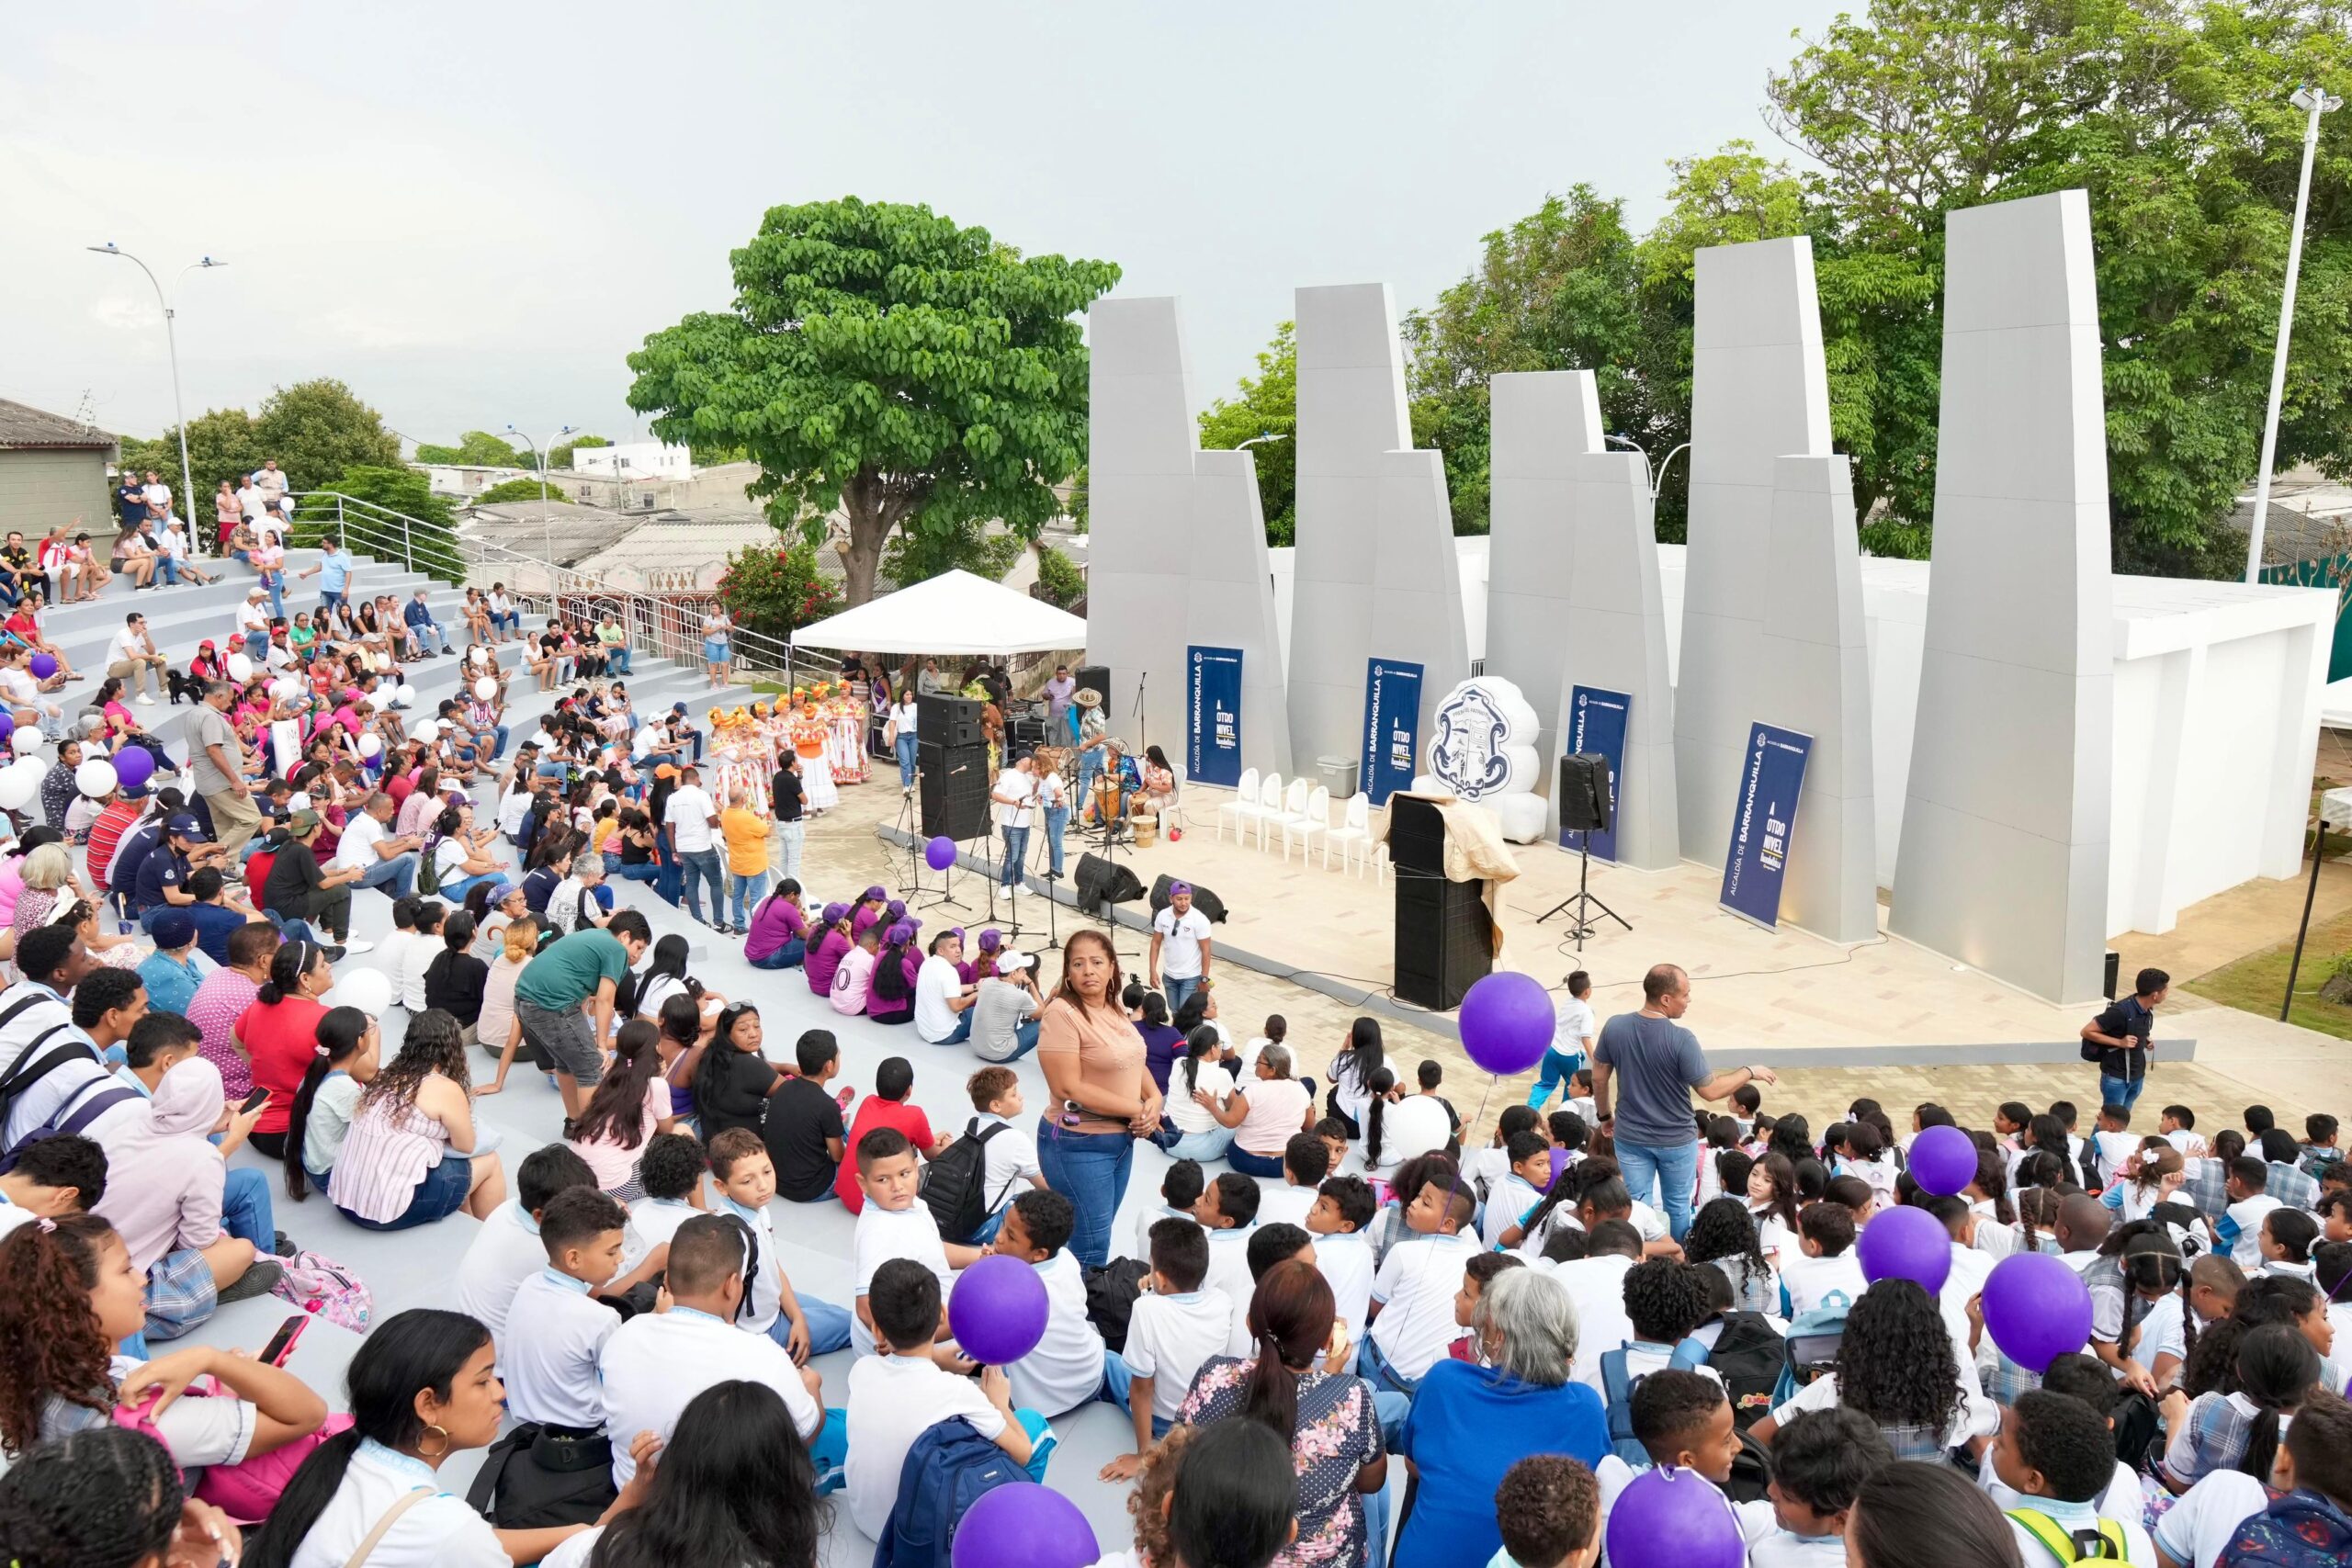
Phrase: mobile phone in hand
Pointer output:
(281, 1343)
(254, 1102)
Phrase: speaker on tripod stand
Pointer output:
(1586, 803)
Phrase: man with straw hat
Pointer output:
(1092, 726)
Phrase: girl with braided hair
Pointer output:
(1722, 1233)
(109, 1497)
(1896, 1365)
(68, 1295)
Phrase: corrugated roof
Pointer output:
(24, 426)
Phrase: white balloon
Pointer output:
(405, 695)
(94, 778)
(24, 742)
(477, 654)
(429, 730)
(286, 689)
(240, 667)
(369, 990)
(485, 688)
(370, 744)
(17, 791)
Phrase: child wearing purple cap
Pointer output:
(992, 943)
(869, 911)
(890, 998)
(826, 944)
(778, 936)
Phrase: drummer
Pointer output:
(1121, 781)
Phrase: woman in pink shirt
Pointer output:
(629, 1107)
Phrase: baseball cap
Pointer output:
(173, 928)
(991, 940)
(901, 931)
(874, 896)
(835, 913)
(302, 822)
(678, 708)
(1011, 962)
(1176, 887)
(186, 826)
(665, 772)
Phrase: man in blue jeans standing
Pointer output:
(2121, 1040)
(1652, 1063)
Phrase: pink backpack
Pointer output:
(247, 1491)
(318, 1284)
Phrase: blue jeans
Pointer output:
(1176, 989)
(617, 660)
(257, 646)
(961, 1032)
(167, 571)
(1117, 1379)
(1026, 1038)
(245, 1209)
(1203, 1147)
(428, 635)
(1392, 1391)
(1673, 1169)
(1016, 850)
(827, 1326)
(745, 891)
(644, 871)
(328, 599)
(698, 866)
(511, 621)
(276, 582)
(397, 874)
(2121, 1091)
(1557, 1069)
(1248, 1163)
(1056, 819)
(1092, 1170)
(789, 956)
(905, 746)
(455, 892)
(498, 748)
(1090, 764)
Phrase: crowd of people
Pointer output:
(1342, 1328)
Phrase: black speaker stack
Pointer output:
(1206, 902)
(953, 786)
(1584, 793)
(1442, 927)
(948, 721)
(1097, 676)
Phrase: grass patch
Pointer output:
(2254, 983)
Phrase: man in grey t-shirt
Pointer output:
(216, 761)
(1655, 1063)
(1004, 1018)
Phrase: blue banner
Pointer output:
(1212, 716)
(1596, 718)
(1771, 774)
(1392, 723)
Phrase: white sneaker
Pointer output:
(351, 946)
(144, 700)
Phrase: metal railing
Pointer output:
(664, 626)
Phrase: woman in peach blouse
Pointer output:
(1100, 1098)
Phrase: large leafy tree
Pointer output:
(882, 360)
(317, 430)
(427, 541)
(221, 445)
(476, 448)
(1266, 405)
(2172, 113)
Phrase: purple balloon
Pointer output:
(2036, 1309)
(1673, 1518)
(998, 1310)
(44, 665)
(7, 724)
(1507, 1022)
(940, 854)
(1024, 1525)
(133, 766)
(1907, 1243)
(1943, 1161)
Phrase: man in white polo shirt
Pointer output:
(656, 1363)
(943, 1002)
(1180, 947)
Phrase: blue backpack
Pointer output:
(1812, 1346)
(947, 1469)
(1618, 1385)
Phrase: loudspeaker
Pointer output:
(1443, 944)
(948, 721)
(1206, 902)
(1099, 677)
(1416, 836)
(954, 781)
(1584, 793)
(2114, 974)
(1102, 883)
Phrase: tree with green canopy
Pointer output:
(885, 362)
(1266, 405)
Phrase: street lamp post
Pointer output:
(1656, 474)
(171, 342)
(2314, 103)
(546, 528)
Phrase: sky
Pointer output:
(472, 213)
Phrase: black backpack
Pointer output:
(954, 1184)
(535, 1479)
(1748, 1356)
(1111, 1292)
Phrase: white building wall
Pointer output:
(635, 460)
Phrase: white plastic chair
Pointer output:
(1268, 806)
(1244, 801)
(1317, 818)
(1354, 829)
(1289, 808)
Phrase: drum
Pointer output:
(1147, 828)
(1109, 805)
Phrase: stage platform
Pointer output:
(1783, 998)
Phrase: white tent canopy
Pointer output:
(953, 612)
